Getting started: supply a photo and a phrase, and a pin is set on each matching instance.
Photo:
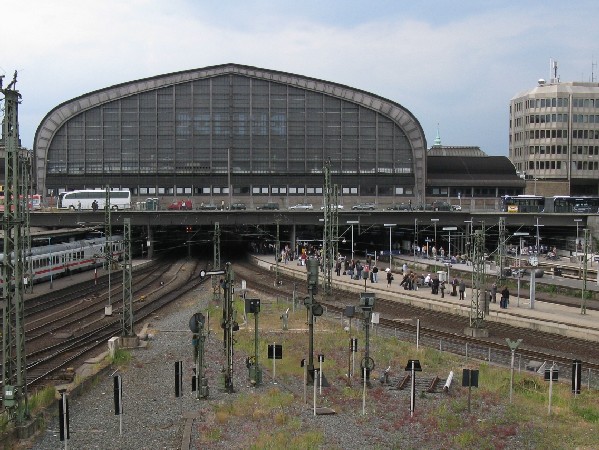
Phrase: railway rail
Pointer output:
(57, 344)
(445, 331)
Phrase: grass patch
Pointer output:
(281, 439)
(41, 399)
(492, 422)
(121, 357)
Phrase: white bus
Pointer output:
(119, 199)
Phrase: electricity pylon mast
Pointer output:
(329, 239)
(14, 380)
(335, 223)
(583, 301)
(26, 195)
(277, 254)
(477, 300)
(502, 251)
(127, 275)
(216, 263)
(108, 246)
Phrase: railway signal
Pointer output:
(367, 305)
(228, 321)
(199, 383)
(252, 306)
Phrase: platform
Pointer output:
(547, 317)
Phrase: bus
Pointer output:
(83, 199)
(522, 203)
(567, 204)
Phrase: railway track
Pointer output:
(442, 330)
(66, 341)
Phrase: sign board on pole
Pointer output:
(275, 351)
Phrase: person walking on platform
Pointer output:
(435, 286)
(505, 298)
(454, 286)
(442, 287)
(494, 292)
(462, 290)
(389, 277)
(375, 274)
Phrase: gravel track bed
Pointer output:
(154, 419)
(152, 416)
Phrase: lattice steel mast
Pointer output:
(329, 244)
(108, 246)
(502, 250)
(216, 263)
(127, 275)
(478, 301)
(14, 380)
(277, 254)
(583, 301)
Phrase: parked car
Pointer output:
(302, 207)
(181, 205)
(334, 207)
(237, 206)
(208, 207)
(456, 207)
(364, 207)
(269, 205)
(400, 207)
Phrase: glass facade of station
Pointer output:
(259, 137)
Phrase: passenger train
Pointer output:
(556, 204)
(52, 261)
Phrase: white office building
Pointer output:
(554, 137)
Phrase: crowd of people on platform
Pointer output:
(368, 270)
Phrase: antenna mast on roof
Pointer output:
(553, 78)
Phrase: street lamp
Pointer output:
(449, 230)
(519, 254)
(415, 238)
(576, 246)
(352, 223)
(390, 225)
(538, 237)
(434, 221)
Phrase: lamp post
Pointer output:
(519, 254)
(434, 221)
(538, 237)
(415, 239)
(352, 223)
(390, 225)
(576, 246)
(449, 230)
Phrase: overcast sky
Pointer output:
(452, 63)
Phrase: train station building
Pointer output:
(232, 133)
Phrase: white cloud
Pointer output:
(456, 68)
